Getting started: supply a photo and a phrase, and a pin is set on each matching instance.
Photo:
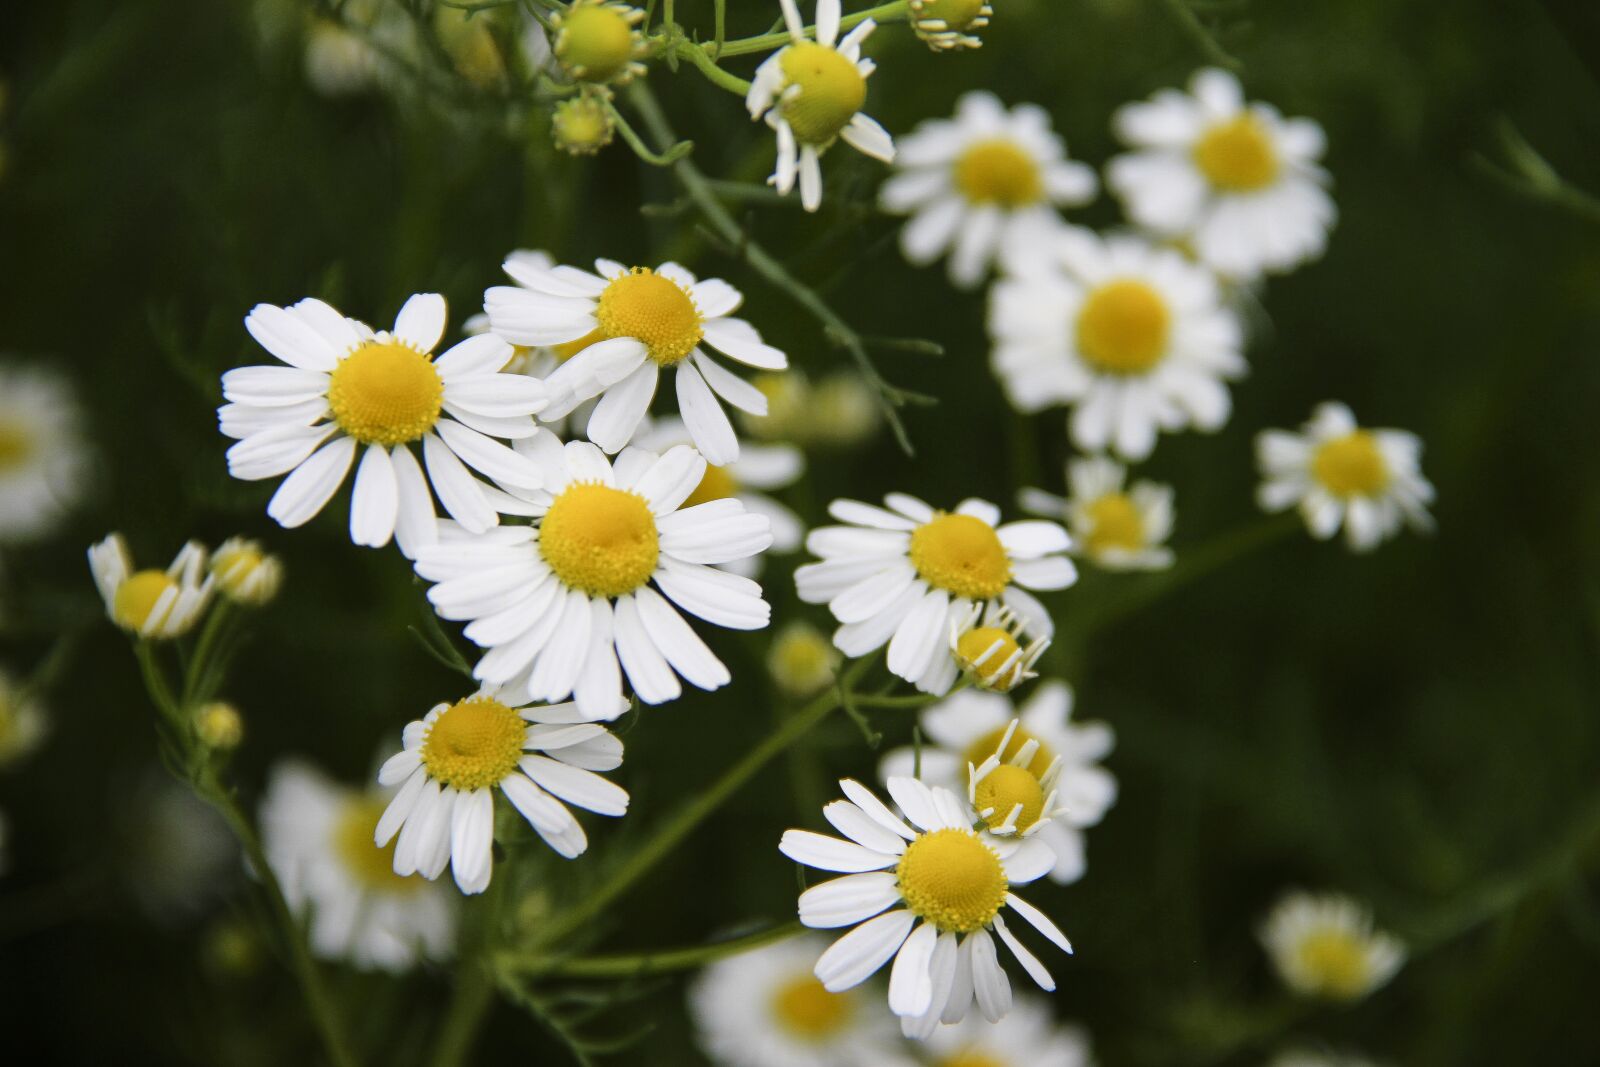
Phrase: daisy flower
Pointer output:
(1028, 1035)
(151, 603)
(905, 575)
(1237, 182)
(946, 25)
(1133, 337)
(598, 41)
(22, 722)
(318, 839)
(801, 660)
(1368, 481)
(838, 412)
(811, 93)
(44, 460)
(245, 573)
(966, 728)
(346, 386)
(558, 603)
(927, 896)
(457, 754)
(618, 329)
(1009, 796)
(1326, 946)
(1120, 528)
(993, 649)
(982, 184)
(764, 1008)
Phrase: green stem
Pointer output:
(766, 42)
(475, 980)
(637, 965)
(697, 55)
(1203, 39)
(201, 666)
(664, 159)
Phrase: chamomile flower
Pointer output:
(318, 838)
(1336, 473)
(801, 660)
(1028, 1035)
(457, 755)
(966, 728)
(619, 329)
(44, 460)
(151, 603)
(1237, 182)
(838, 412)
(925, 892)
(1118, 527)
(764, 1008)
(983, 184)
(1009, 797)
(556, 604)
(905, 575)
(1134, 338)
(22, 722)
(245, 573)
(993, 647)
(598, 41)
(1327, 946)
(348, 389)
(946, 25)
(811, 94)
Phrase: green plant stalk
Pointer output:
(474, 987)
(766, 42)
(638, 965)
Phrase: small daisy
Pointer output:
(811, 93)
(838, 412)
(764, 1008)
(943, 873)
(151, 603)
(1120, 529)
(1326, 946)
(965, 729)
(245, 573)
(993, 649)
(457, 754)
(619, 328)
(346, 386)
(318, 838)
(559, 602)
(598, 41)
(1237, 182)
(22, 722)
(1369, 481)
(983, 184)
(802, 660)
(1133, 337)
(1027, 1036)
(905, 576)
(44, 460)
(946, 25)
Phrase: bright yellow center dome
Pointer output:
(652, 308)
(977, 643)
(998, 171)
(961, 554)
(1351, 465)
(958, 15)
(473, 744)
(596, 41)
(1115, 524)
(953, 880)
(1003, 789)
(984, 747)
(1336, 962)
(137, 597)
(805, 1010)
(1237, 155)
(832, 90)
(1123, 327)
(385, 393)
(600, 540)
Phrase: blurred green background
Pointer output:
(1417, 727)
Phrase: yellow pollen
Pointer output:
(1123, 327)
(652, 308)
(16, 446)
(832, 90)
(600, 540)
(807, 1011)
(473, 744)
(976, 642)
(137, 597)
(1237, 155)
(371, 866)
(984, 747)
(596, 41)
(1003, 789)
(385, 393)
(1115, 524)
(962, 555)
(1336, 962)
(717, 484)
(998, 171)
(953, 880)
(1351, 465)
(957, 15)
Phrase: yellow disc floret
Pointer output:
(1237, 155)
(985, 746)
(596, 42)
(367, 863)
(385, 393)
(1003, 789)
(805, 1010)
(832, 90)
(473, 744)
(987, 652)
(1336, 963)
(1351, 465)
(138, 596)
(998, 171)
(961, 554)
(1123, 327)
(654, 309)
(953, 880)
(600, 540)
(219, 725)
(1115, 525)
(581, 126)
(716, 484)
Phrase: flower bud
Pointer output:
(245, 574)
(219, 725)
(596, 41)
(801, 660)
(582, 126)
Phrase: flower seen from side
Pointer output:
(44, 459)
(996, 648)
(1327, 947)
(947, 25)
(151, 603)
(1114, 525)
(245, 573)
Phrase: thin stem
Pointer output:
(920, 700)
(766, 42)
(200, 665)
(637, 965)
(475, 984)
(666, 158)
(1203, 38)
(708, 66)
(1528, 174)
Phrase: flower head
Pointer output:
(945, 25)
(598, 41)
(582, 126)
(1326, 946)
(245, 573)
(801, 659)
(44, 460)
(1118, 527)
(1006, 792)
(151, 603)
(993, 647)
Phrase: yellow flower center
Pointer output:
(957, 15)
(137, 596)
(717, 484)
(953, 880)
(971, 1058)
(1237, 155)
(1123, 327)
(647, 306)
(596, 42)
(809, 1012)
(581, 126)
(16, 447)
(371, 866)
(473, 744)
(1115, 524)
(1003, 789)
(984, 747)
(976, 643)
(1351, 465)
(600, 540)
(961, 554)
(832, 90)
(998, 171)
(1336, 962)
(385, 393)
(234, 566)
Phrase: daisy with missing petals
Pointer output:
(1133, 337)
(906, 575)
(966, 729)
(945, 25)
(151, 603)
(811, 93)
(318, 838)
(945, 884)
(1369, 481)
(1120, 528)
(1237, 182)
(619, 329)
(457, 754)
(558, 603)
(347, 388)
(44, 462)
(983, 184)
(1327, 947)
(1029, 1035)
(994, 650)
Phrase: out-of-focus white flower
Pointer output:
(1327, 946)
(839, 411)
(1120, 529)
(44, 460)
(245, 573)
(1027, 1037)
(151, 603)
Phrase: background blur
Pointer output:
(1417, 727)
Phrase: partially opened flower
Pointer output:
(945, 25)
(1027, 1037)
(996, 648)
(1327, 946)
(151, 603)
(44, 460)
(1119, 527)
(811, 93)
(1007, 794)
(245, 573)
